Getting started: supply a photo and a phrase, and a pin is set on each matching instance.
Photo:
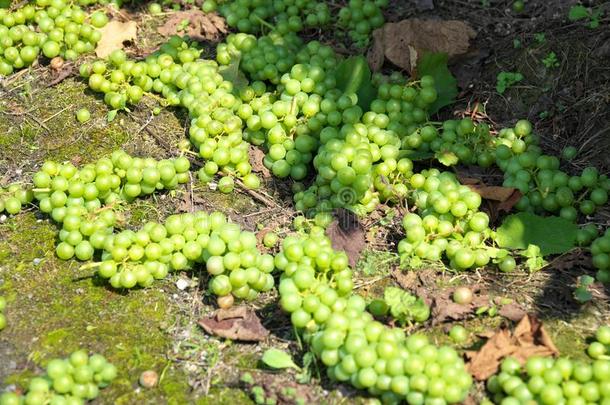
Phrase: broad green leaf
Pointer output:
(578, 12)
(551, 234)
(353, 75)
(435, 65)
(276, 358)
(231, 73)
(416, 154)
(447, 158)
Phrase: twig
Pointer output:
(64, 73)
(254, 214)
(56, 114)
(258, 196)
(36, 120)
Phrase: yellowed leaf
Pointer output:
(402, 42)
(114, 34)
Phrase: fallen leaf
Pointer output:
(347, 234)
(194, 23)
(512, 311)
(403, 42)
(528, 339)
(443, 308)
(501, 199)
(256, 156)
(114, 34)
(235, 323)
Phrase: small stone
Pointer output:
(182, 284)
(36, 261)
(149, 379)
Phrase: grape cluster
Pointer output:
(82, 200)
(288, 122)
(51, 27)
(554, 381)
(284, 16)
(358, 163)
(447, 222)
(406, 104)
(230, 255)
(470, 143)
(181, 79)
(316, 289)
(600, 250)
(545, 186)
(2, 316)
(360, 18)
(13, 198)
(74, 380)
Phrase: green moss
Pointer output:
(56, 308)
(222, 396)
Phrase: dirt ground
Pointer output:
(56, 307)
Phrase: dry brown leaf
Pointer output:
(347, 233)
(512, 311)
(509, 203)
(495, 193)
(402, 42)
(194, 23)
(528, 339)
(114, 34)
(256, 156)
(236, 323)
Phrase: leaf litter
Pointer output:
(236, 323)
(403, 42)
(114, 35)
(347, 233)
(196, 24)
(528, 339)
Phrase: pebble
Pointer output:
(36, 261)
(182, 284)
(149, 379)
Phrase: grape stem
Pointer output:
(264, 23)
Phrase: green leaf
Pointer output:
(276, 358)
(586, 280)
(578, 12)
(447, 158)
(416, 154)
(405, 307)
(435, 65)
(231, 72)
(111, 115)
(551, 234)
(582, 295)
(353, 76)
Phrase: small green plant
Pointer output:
(517, 43)
(540, 38)
(550, 61)
(535, 260)
(518, 6)
(582, 293)
(580, 12)
(404, 307)
(505, 80)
